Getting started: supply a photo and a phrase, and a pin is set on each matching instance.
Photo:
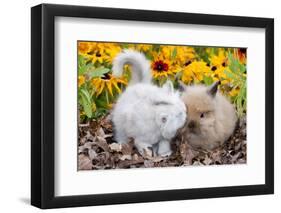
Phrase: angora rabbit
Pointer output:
(212, 118)
(149, 114)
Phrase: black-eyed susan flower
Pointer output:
(184, 55)
(104, 52)
(143, 47)
(107, 83)
(219, 75)
(195, 71)
(98, 53)
(112, 51)
(167, 51)
(219, 60)
(162, 66)
(84, 47)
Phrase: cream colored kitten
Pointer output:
(211, 117)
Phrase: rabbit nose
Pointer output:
(191, 124)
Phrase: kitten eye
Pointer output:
(164, 120)
(202, 115)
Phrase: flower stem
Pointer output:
(106, 96)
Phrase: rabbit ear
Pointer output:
(168, 86)
(182, 86)
(212, 90)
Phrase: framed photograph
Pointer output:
(140, 106)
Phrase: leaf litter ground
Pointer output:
(97, 149)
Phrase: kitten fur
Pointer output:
(149, 114)
(212, 118)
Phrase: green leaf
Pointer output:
(81, 60)
(86, 102)
(229, 74)
(207, 80)
(174, 53)
(98, 72)
(124, 46)
(84, 68)
(149, 56)
(101, 103)
(156, 47)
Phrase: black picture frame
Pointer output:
(43, 102)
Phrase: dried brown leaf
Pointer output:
(115, 147)
(98, 150)
(148, 163)
(85, 162)
(207, 161)
(128, 163)
(127, 148)
(187, 153)
(125, 157)
(101, 142)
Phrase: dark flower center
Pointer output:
(243, 50)
(90, 52)
(98, 54)
(214, 68)
(106, 76)
(224, 64)
(160, 66)
(187, 63)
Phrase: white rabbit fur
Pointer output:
(149, 114)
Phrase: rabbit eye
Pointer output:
(180, 114)
(202, 115)
(164, 120)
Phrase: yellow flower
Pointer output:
(184, 54)
(103, 52)
(143, 47)
(81, 112)
(234, 92)
(84, 47)
(219, 74)
(111, 51)
(94, 107)
(167, 51)
(107, 83)
(81, 80)
(110, 106)
(98, 54)
(219, 60)
(195, 71)
(162, 65)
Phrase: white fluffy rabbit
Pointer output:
(149, 114)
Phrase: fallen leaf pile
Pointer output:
(97, 149)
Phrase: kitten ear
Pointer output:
(182, 86)
(212, 90)
(168, 86)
